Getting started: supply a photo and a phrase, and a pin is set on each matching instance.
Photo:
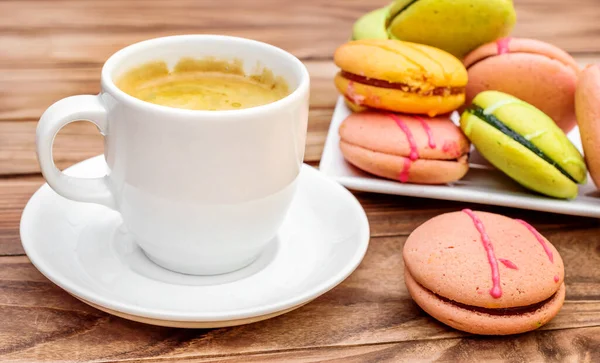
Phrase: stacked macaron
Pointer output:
(408, 66)
(533, 71)
(524, 143)
(400, 77)
(408, 148)
(403, 60)
(484, 273)
(536, 108)
(457, 26)
(403, 86)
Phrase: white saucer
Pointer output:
(83, 249)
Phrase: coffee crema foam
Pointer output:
(202, 84)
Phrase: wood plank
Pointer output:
(22, 101)
(77, 141)
(14, 194)
(371, 307)
(97, 15)
(568, 25)
(95, 28)
(577, 345)
(52, 49)
(23, 105)
(26, 93)
(389, 215)
(81, 140)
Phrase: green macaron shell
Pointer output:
(535, 126)
(495, 122)
(371, 25)
(456, 26)
(397, 7)
(527, 146)
(516, 161)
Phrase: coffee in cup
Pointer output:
(203, 84)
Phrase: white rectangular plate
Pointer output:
(482, 184)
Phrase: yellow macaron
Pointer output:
(400, 76)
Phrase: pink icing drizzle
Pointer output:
(556, 278)
(447, 146)
(451, 147)
(496, 290)
(353, 96)
(539, 237)
(405, 169)
(414, 154)
(427, 129)
(502, 45)
(508, 263)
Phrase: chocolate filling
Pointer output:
(437, 91)
(518, 310)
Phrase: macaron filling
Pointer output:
(437, 91)
(500, 126)
(517, 310)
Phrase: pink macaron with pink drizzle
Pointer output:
(405, 148)
(484, 273)
(536, 72)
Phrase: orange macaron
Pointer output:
(484, 273)
(399, 76)
(405, 148)
(534, 71)
(587, 106)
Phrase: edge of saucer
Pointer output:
(161, 316)
(190, 324)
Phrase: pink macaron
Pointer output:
(405, 148)
(484, 273)
(587, 106)
(531, 70)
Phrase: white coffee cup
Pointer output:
(201, 192)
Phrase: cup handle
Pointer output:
(70, 109)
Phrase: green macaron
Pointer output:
(456, 26)
(524, 143)
(371, 25)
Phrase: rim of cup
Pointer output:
(109, 85)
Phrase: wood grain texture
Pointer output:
(371, 307)
(26, 93)
(21, 106)
(87, 32)
(81, 140)
(50, 49)
(389, 215)
(59, 50)
(576, 345)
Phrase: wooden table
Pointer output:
(52, 49)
